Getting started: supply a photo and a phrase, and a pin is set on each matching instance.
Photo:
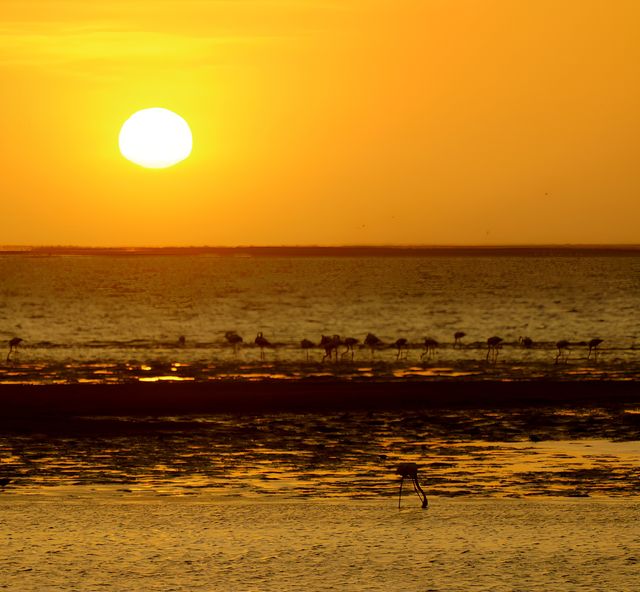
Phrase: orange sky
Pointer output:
(323, 121)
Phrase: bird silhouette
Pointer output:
(372, 342)
(306, 345)
(182, 340)
(234, 340)
(493, 347)
(349, 343)
(4, 481)
(457, 338)
(13, 346)
(410, 471)
(401, 345)
(331, 345)
(261, 341)
(526, 342)
(430, 347)
(563, 349)
(593, 347)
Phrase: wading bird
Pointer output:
(563, 349)
(493, 347)
(331, 345)
(410, 470)
(430, 347)
(4, 481)
(262, 342)
(457, 338)
(235, 340)
(593, 347)
(306, 345)
(526, 342)
(401, 346)
(182, 340)
(13, 346)
(372, 342)
(349, 343)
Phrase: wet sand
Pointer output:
(252, 396)
(86, 541)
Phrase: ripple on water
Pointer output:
(460, 452)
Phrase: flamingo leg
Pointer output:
(400, 496)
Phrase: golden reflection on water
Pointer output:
(514, 453)
(164, 378)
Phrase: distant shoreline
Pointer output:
(46, 402)
(334, 251)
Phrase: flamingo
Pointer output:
(526, 342)
(563, 348)
(13, 346)
(330, 345)
(430, 346)
(262, 342)
(410, 470)
(306, 345)
(372, 342)
(182, 340)
(493, 346)
(593, 347)
(457, 338)
(349, 343)
(4, 481)
(235, 340)
(401, 346)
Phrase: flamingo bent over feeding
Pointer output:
(372, 342)
(306, 345)
(457, 338)
(410, 470)
(563, 348)
(330, 345)
(401, 345)
(13, 346)
(430, 346)
(349, 343)
(593, 347)
(493, 346)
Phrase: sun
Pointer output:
(155, 138)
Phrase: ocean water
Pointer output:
(104, 318)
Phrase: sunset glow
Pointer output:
(326, 122)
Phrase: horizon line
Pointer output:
(319, 247)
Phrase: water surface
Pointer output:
(107, 318)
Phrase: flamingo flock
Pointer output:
(337, 348)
